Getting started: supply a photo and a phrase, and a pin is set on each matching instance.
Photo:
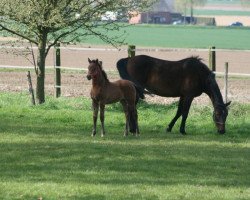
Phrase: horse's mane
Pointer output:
(215, 90)
(103, 72)
(105, 75)
(196, 58)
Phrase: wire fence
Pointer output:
(74, 62)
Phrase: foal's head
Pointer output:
(95, 69)
(220, 116)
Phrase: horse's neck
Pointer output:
(214, 93)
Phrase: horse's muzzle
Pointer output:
(89, 77)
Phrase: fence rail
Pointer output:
(71, 54)
(140, 49)
(114, 71)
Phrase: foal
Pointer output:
(105, 92)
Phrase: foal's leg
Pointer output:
(125, 109)
(95, 107)
(185, 110)
(102, 107)
(178, 114)
(136, 119)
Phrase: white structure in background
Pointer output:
(109, 16)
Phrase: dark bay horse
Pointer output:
(105, 92)
(187, 79)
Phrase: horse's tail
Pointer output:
(121, 65)
(132, 120)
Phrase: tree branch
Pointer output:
(18, 34)
(60, 37)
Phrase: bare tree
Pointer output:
(47, 22)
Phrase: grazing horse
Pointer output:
(187, 79)
(105, 92)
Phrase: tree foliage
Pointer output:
(47, 22)
(30, 19)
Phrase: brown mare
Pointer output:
(187, 79)
(105, 92)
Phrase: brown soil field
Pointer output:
(74, 83)
(227, 20)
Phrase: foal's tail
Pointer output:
(122, 69)
(132, 114)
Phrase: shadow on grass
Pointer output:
(106, 161)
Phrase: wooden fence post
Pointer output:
(212, 59)
(58, 71)
(131, 50)
(31, 91)
(226, 82)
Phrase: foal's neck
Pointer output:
(99, 81)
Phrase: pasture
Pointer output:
(47, 153)
(149, 35)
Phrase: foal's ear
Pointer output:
(228, 103)
(97, 61)
(89, 60)
(100, 63)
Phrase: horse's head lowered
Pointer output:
(94, 69)
(220, 116)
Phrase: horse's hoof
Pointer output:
(183, 132)
(168, 129)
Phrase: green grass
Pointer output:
(180, 36)
(226, 2)
(183, 36)
(47, 152)
(221, 12)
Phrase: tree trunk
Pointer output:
(40, 89)
(191, 12)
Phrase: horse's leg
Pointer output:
(185, 110)
(95, 106)
(125, 109)
(178, 114)
(102, 107)
(132, 112)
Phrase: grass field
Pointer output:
(221, 12)
(47, 153)
(183, 36)
(231, 8)
(180, 36)
(226, 2)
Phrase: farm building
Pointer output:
(161, 13)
